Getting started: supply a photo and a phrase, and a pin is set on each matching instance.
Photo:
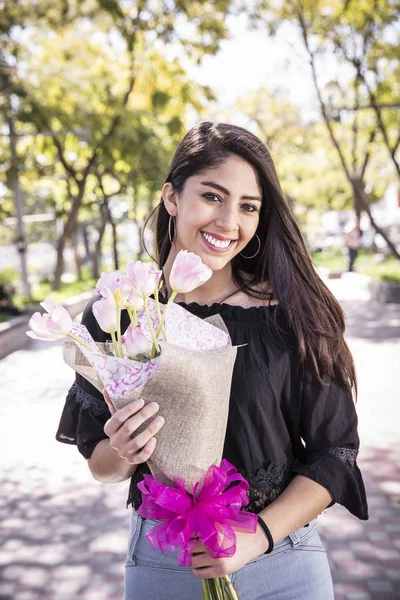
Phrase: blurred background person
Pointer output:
(352, 240)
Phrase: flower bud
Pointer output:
(135, 343)
(188, 272)
(52, 326)
(105, 311)
(144, 276)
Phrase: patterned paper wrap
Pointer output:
(190, 380)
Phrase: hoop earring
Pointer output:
(258, 249)
(170, 222)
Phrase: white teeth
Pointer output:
(215, 242)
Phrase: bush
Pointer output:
(9, 276)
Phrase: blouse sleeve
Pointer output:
(328, 426)
(85, 411)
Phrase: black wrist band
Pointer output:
(268, 534)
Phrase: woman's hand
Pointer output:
(248, 547)
(122, 425)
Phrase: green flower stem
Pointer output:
(115, 343)
(156, 347)
(219, 588)
(79, 341)
(214, 589)
(157, 301)
(119, 341)
(204, 590)
(208, 590)
(132, 316)
(161, 324)
(227, 584)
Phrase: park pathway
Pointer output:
(63, 535)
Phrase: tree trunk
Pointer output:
(363, 203)
(78, 258)
(114, 238)
(86, 242)
(97, 251)
(69, 229)
(62, 242)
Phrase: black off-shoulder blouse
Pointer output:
(281, 420)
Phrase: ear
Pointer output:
(170, 199)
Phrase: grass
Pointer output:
(386, 270)
(43, 290)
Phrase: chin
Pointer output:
(216, 263)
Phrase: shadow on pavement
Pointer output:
(365, 555)
(372, 321)
(62, 545)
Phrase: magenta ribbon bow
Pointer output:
(212, 514)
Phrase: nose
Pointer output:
(227, 219)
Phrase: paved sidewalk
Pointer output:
(64, 535)
(365, 555)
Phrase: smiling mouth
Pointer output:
(222, 244)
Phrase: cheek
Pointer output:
(249, 229)
(192, 220)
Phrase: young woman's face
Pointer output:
(218, 212)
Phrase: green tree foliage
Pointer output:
(95, 96)
(361, 106)
(307, 166)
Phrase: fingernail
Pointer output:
(159, 421)
(139, 402)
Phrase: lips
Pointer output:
(217, 242)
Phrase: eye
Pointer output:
(249, 208)
(210, 196)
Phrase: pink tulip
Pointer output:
(114, 284)
(105, 311)
(135, 342)
(52, 326)
(188, 272)
(144, 276)
(133, 301)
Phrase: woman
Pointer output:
(292, 428)
(352, 240)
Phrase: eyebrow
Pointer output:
(222, 189)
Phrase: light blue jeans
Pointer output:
(297, 569)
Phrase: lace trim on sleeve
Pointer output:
(344, 454)
(266, 485)
(94, 405)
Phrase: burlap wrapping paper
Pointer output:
(192, 388)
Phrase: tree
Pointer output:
(351, 34)
(306, 165)
(81, 66)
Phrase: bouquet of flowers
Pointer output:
(185, 364)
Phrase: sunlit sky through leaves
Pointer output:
(252, 59)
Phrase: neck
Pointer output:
(215, 289)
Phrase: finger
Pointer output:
(120, 416)
(145, 453)
(129, 427)
(139, 441)
(108, 400)
(200, 561)
(204, 573)
(199, 547)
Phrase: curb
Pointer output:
(13, 332)
(385, 292)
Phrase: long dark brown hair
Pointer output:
(283, 263)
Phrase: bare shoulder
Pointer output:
(246, 301)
